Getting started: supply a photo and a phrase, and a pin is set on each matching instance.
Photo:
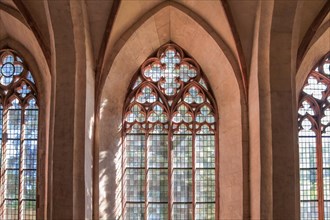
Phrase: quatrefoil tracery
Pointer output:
(16, 81)
(170, 71)
(314, 105)
(170, 91)
(315, 87)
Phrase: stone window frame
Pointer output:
(311, 110)
(132, 94)
(20, 87)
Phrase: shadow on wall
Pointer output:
(110, 175)
(102, 107)
(119, 178)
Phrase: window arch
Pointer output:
(314, 143)
(19, 138)
(170, 141)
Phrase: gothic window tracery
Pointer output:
(170, 141)
(18, 139)
(314, 143)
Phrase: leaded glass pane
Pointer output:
(29, 180)
(146, 96)
(11, 180)
(134, 185)
(205, 115)
(308, 184)
(202, 82)
(29, 77)
(182, 211)
(205, 151)
(12, 154)
(134, 154)
(326, 170)
(134, 211)
(194, 96)
(326, 150)
(307, 162)
(14, 124)
(29, 159)
(158, 114)
(28, 210)
(157, 185)
(157, 151)
(10, 210)
(137, 82)
(31, 124)
(135, 114)
(327, 210)
(314, 87)
(182, 151)
(308, 210)
(307, 151)
(326, 184)
(205, 185)
(182, 185)
(326, 118)
(306, 109)
(182, 115)
(157, 211)
(205, 211)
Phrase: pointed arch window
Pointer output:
(314, 143)
(18, 139)
(170, 141)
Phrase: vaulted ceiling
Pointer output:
(232, 20)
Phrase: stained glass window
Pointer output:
(170, 141)
(314, 143)
(19, 138)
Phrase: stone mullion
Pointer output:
(123, 169)
(146, 169)
(193, 178)
(319, 168)
(20, 163)
(170, 170)
(3, 169)
(2, 152)
(217, 167)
